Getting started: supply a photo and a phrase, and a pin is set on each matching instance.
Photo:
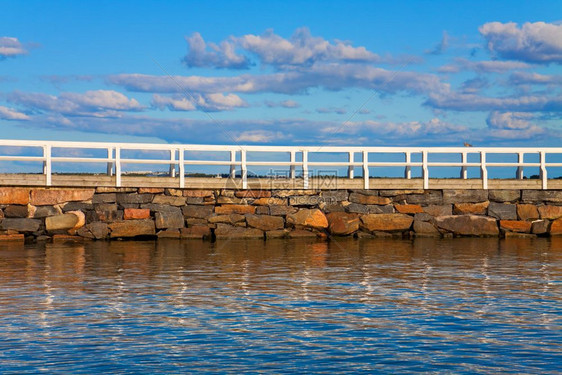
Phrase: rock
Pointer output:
(386, 222)
(555, 227)
(264, 222)
(136, 213)
(44, 211)
(465, 196)
(49, 197)
(195, 232)
(438, 210)
(9, 195)
(504, 195)
(388, 209)
(81, 219)
(168, 233)
(516, 226)
(230, 200)
(434, 197)
(312, 218)
(85, 232)
(361, 235)
(366, 191)
(156, 207)
(537, 196)
(281, 210)
(21, 225)
(357, 208)
(169, 219)
(305, 200)
(468, 225)
(235, 209)
(16, 211)
(502, 211)
(548, 212)
(527, 212)
(288, 193)
(99, 230)
(262, 210)
(275, 234)
(423, 217)
(108, 212)
(224, 231)
(198, 193)
(470, 208)
(394, 193)
(168, 200)
(12, 238)
(107, 189)
(174, 192)
(132, 228)
(64, 221)
(342, 224)
(104, 198)
(74, 206)
(408, 208)
(368, 199)
(425, 229)
(540, 226)
(334, 196)
(195, 200)
(201, 212)
(333, 208)
(252, 193)
(269, 202)
(227, 219)
(301, 233)
(193, 221)
(134, 198)
(150, 190)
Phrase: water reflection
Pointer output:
(461, 305)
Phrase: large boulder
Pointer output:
(10, 195)
(518, 226)
(502, 211)
(228, 209)
(265, 222)
(20, 225)
(550, 212)
(468, 225)
(470, 208)
(169, 219)
(342, 223)
(312, 218)
(49, 197)
(195, 211)
(225, 231)
(465, 196)
(368, 199)
(132, 228)
(386, 222)
(527, 212)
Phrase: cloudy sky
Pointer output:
(318, 72)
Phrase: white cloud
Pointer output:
(259, 136)
(509, 120)
(533, 42)
(222, 55)
(339, 111)
(490, 66)
(207, 102)
(471, 102)
(12, 114)
(172, 103)
(11, 47)
(534, 78)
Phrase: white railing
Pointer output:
(177, 159)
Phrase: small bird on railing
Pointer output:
(466, 144)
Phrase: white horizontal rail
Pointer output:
(302, 157)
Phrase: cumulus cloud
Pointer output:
(259, 136)
(525, 78)
(513, 125)
(223, 55)
(491, 66)
(537, 42)
(11, 114)
(11, 47)
(471, 102)
(98, 103)
(208, 102)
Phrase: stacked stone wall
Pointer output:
(41, 214)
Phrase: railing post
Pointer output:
(350, 168)
(244, 168)
(305, 169)
(425, 170)
(519, 173)
(232, 163)
(117, 166)
(408, 169)
(172, 163)
(544, 176)
(182, 167)
(47, 164)
(464, 172)
(110, 163)
(483, 170)
(292, 169)
(366, 170)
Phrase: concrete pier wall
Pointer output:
(104, 213)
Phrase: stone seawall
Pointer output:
(41, 214)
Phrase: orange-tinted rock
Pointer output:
(342, 223)
(269, 202)
(14, 196)
(44, 197)
(132, 228)
(516, 226)
(368, 199)
(439, 210)
(81, 219)
(198, 193)
(556, 228)
(151, 190)
(136, 213)
(550, 212)
(265, 222)
(11, 237)
(235, 209)
(386, 222)
(408, 208)
(169, 200)
(540, 226)
(313, 218)
(468, 225)
(253, 193)
(527, 212)
(470, 208)
(195, 232)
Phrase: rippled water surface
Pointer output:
(386, 306)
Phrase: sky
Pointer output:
(374, 73)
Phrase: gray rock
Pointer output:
(425, 229)
(44, 211)
(537, 196)
(73, 206)
(333, 196)
(169, 219)
(504, 195)
(201, 212)
(158, 207)
(427, 198)
(16, 211)
(502, 211)
(465, 196)
(423, 217)
(281, 210)
(357, 208)
(134, 198)
(366, 192)
(104, 198)
(334, 208)
(468, 225)
(20, 225)
(375, 209)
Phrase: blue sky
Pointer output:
(427, 73)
